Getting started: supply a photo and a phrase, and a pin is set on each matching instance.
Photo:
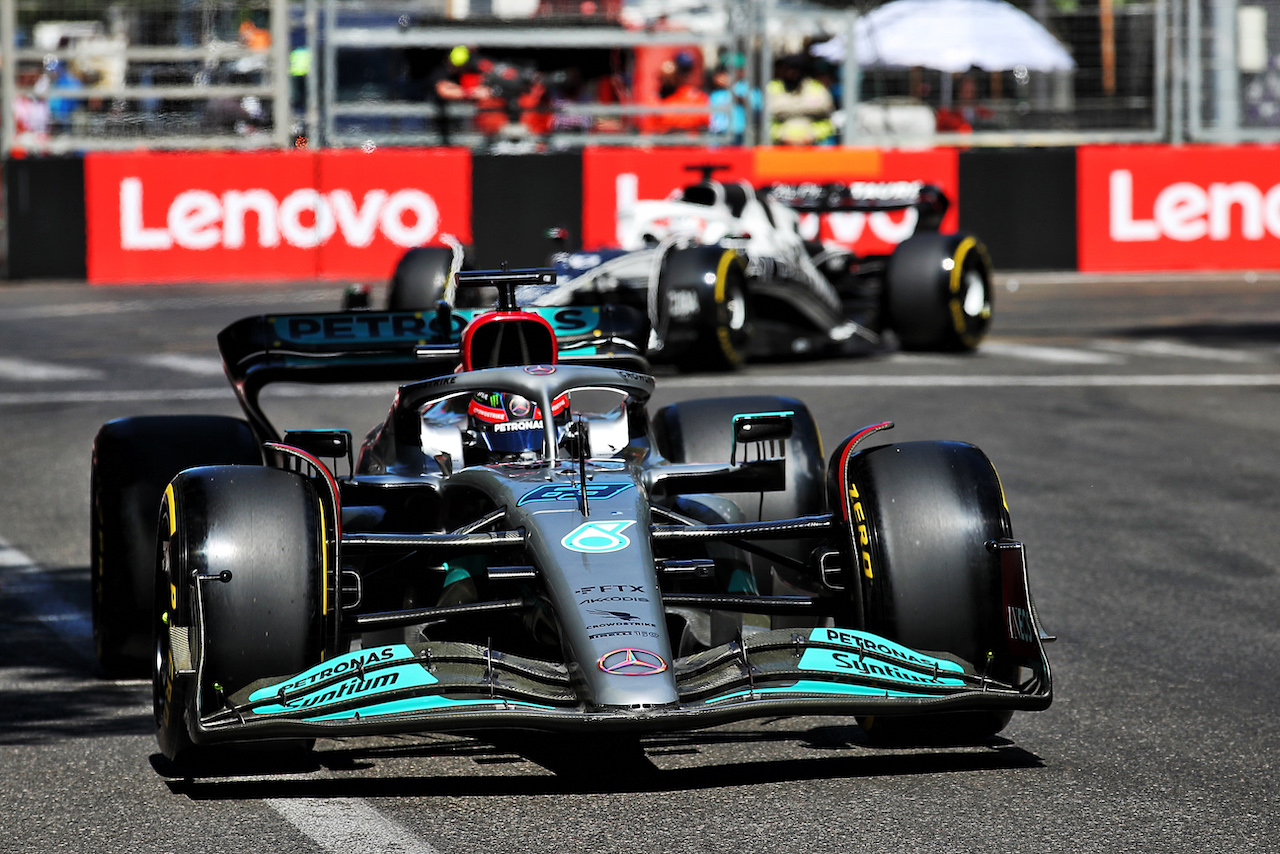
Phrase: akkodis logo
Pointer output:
(304, 218)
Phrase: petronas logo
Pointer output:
(598, 537)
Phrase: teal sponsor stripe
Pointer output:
(851, 663)
(419, 704)
(858, 640)
(374, 683)
(806, 686)
(347, 662)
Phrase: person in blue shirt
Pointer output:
(730, 98)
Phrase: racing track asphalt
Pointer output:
(1135, 423)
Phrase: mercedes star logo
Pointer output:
(632, 662)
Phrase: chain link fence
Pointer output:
(83, 75)
(1232, 70)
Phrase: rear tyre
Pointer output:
(932, 584)
(133, 460)
(703, 308)
(701, 431)
(261, 530)
(420, 279)
(938, 292)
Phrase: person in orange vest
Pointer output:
(679, 89)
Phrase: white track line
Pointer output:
(1172, 349)
(336, 825)
(23, 578)
(205, 366)
(347, 826)
(212, 393)
(713, 382)
(974, 381)
(273, 298)
(29, 370)
(1051, 355)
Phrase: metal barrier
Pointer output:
(81, 75)
(1232, 70)
(189, 74)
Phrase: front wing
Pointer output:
(456, 686)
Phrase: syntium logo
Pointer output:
(376, 683)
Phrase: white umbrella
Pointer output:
(952, 35)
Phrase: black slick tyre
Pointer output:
(246, 543)
(420, 279)
(133, 460)
(703, 308)
(938, 292)
(928, 579)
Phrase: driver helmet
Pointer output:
(508, 427)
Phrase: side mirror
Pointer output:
(328, 444)
(320, 443)
(759, 428)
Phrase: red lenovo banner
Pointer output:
(615, 178)
(228, 216)
(1178, 208)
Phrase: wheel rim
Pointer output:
(975, 302)
(735, 305)
(160, 676)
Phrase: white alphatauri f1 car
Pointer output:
(724, 274)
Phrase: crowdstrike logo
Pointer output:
(1184, 211)
(305, 218)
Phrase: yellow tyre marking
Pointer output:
(722, 333)
(858, 515)
(324, 561)
(173, 513)
(958, 320)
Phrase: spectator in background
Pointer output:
(30, 111)
(61, 110)
(731, 96)
(966, 112)
(828, 75)
(254, 37)
(678, 88)
(569, 92)
(457, 80)
(800, 106)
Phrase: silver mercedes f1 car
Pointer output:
(522, 545)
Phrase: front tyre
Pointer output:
(246, 544)
(939, 293)
(133, 460)
(925, 576)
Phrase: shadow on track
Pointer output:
(52, 688)
(593, 767)
(1209, 333)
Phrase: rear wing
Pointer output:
(403, 346)
(867, 197)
